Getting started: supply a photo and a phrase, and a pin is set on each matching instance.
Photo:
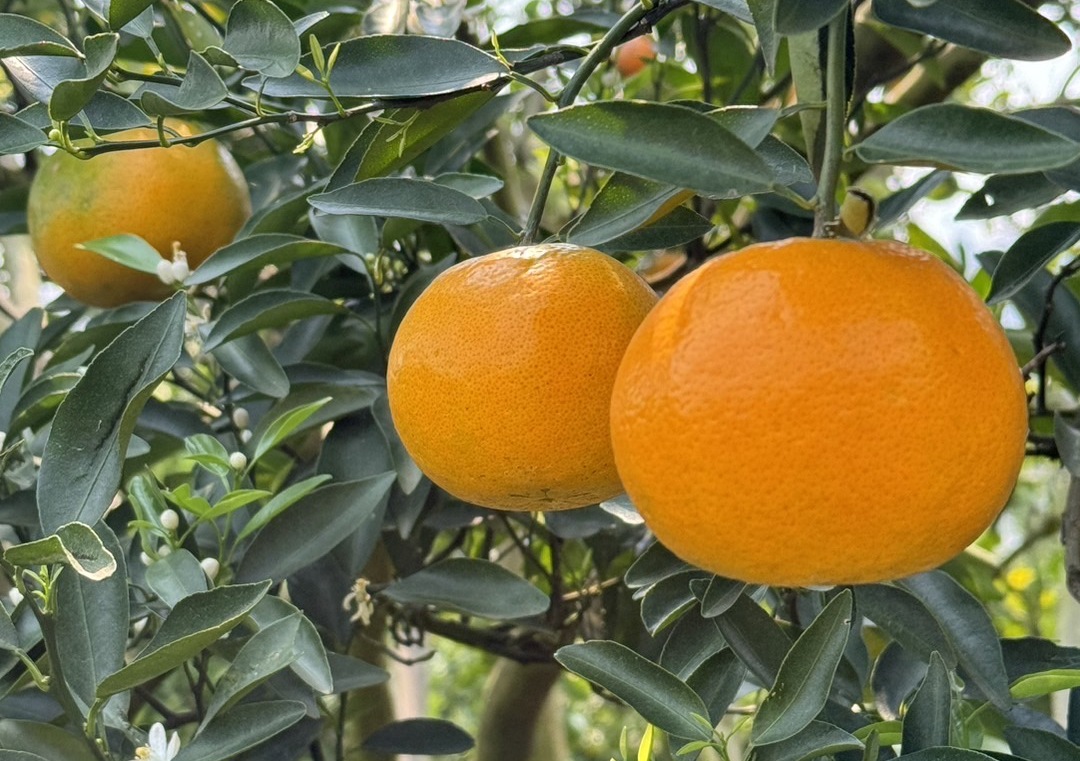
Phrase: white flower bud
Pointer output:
(145, 559)
(241, 418)
(180, 271)
(15, 595)
(170, 520)
(210, 567)
(165, 272)
(245, 436)
(164, 551)
(237, 461)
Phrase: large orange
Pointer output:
(194, 196)
(819, 412)
(500, 375)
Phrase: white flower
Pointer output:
(156, 748)
(359, 602)
(165, 272)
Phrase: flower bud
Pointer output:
(170, 520)
(211, 567)
(165, 272)
(237, 461)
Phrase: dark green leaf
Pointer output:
(267, 309)
(194, 624)
(74, 544)
(396, 66)
(311, 663)
(422, 737)
(280, 502)
(9, 635)
(968, 628)
(1040, 745)
(123, 11)
(11, 362)
(245, 726)
(257, 251)
(175, 576)
(717, 681)
(260, 37)
(268, 651)
(904, 617)
(805, 678)
(625, 203)
(967, 139)
(249, 361)
(1067, 437)
(755, 637)
(473, 185)
(1031, 252)
(817, 739)
(280, 427)
(900, 203)
(38, 737)
(763, 16)
(666, 143)
(403, 197)
(22, 36)
(675, 229)
(70, 96)
(92, 624)
(1008, 194)
(19, 755)
(354, 674)
(469, 586)
(655, 564)
(80, 470)
(313, 527)
(946, 754)
(663, 602)
(1064, 322)
(1003, 28)
(200, 90)
(653, 692)
(736, 8)
(408, 473)
(929, 716)
(799, 16)
(720, 595)
(17, 136)
(693, 640)
(126, 249)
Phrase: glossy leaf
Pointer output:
(717, 681)
(720, 595)
(968, 628)
(396, 66)
(245, 726)
(249, 360)
(92, 619)
(693, 640)
(805, 678)
(402, 197)
(17, 136)
(423, 737)
(267, 309)
(624, 203)
(1031, 252)
(1044, 683)
(266, 652)
(655, 564)
(666, 600)
(967, 139)
(660, 142)
(129, 250)
(260, 37)
(1003, 28)
(257, 251)
(1040, 745)
(38, 737)
(755, 637)
(123, 11)
(313, 527)
(353, 674)
(653, 692)
(311, 663)
(676, 228)
(200, 89)
(1008, 194)
(799, 16)
(194, 624)
(23, 36)
(80, 470)
(906, 620)
(280, 427)
(175, 576)
(74, 545)
(280, 502)
(928, 719)
(816, 740)
(70, 96)
(469, 586)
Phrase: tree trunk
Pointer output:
(522, 719)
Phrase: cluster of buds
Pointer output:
(385, 271)
(242, 420)
(177, 270)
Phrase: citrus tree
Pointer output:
(342, 359)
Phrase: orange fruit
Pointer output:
(500, 375)
(631, 57)
(814, 412)
(194, 196)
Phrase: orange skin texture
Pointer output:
(814, 412)
(500, 375)
(632, 57)
(196, 196)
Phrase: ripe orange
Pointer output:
(500, 375)
(819, 412)
(631, 57)
(195, 196)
